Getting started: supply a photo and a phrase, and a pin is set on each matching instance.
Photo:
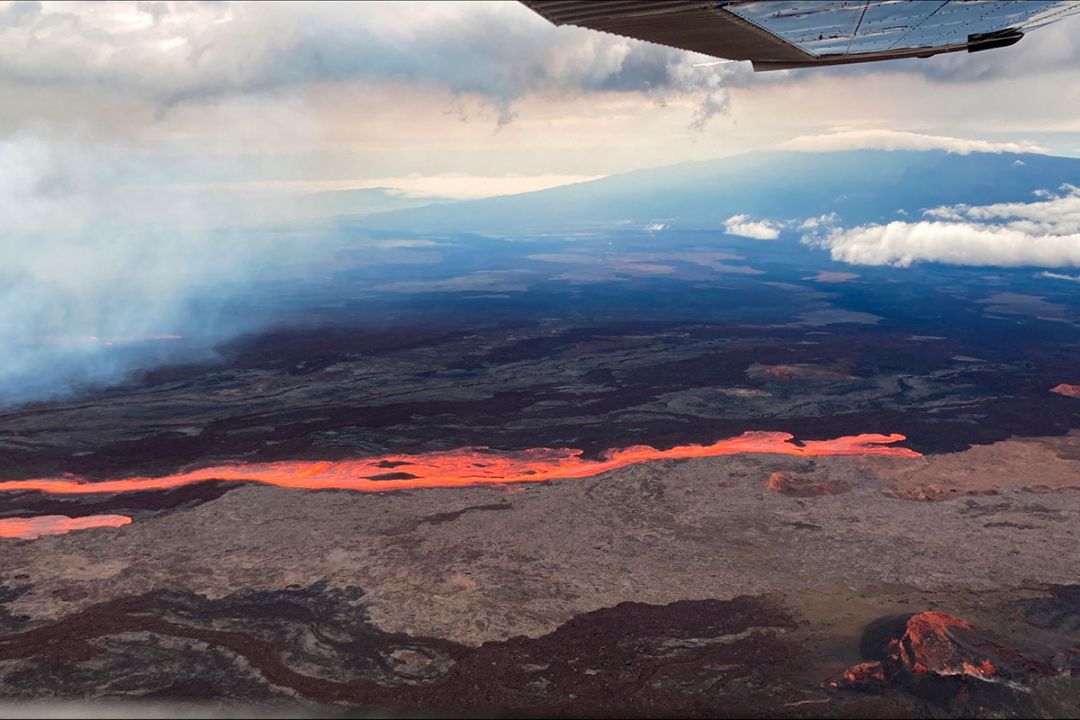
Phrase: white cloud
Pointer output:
(813, 223)
(743, 226)
(1060, 276)
(170, 53)
(897, 140)
(902, 244)
(1045, 233)
(1055, 214)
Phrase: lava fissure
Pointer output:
(465, 467)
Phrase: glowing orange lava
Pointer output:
(1066, 390)
(464, 467)
(34, 527)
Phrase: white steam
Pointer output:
(102, 270)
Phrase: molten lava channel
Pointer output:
(463, 467)
(34, 527)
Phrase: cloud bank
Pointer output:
(1057, 214)
(879, 139)
(1045, 233)
(173, 52)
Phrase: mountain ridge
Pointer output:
(861, 185)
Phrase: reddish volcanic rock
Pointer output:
(783, 372)
(798, 371)
(935, 646)
(864, 676)
(1066, 390)
(792, 485)
(931, 644)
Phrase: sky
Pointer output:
(136, 137)
(465, 99)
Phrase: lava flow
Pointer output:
(464, 467)
(1066, 390)
(32, 528)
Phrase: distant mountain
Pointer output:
(861, 186)
(360, 201)
(275, 207)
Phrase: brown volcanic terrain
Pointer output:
(1037, 465)
(331, 394)
(455, 580)
(479, 564)
(736, 584)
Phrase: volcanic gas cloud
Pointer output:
(464, 467)
(34, 527)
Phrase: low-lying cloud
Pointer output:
(743, 226)
(1044, 233)
(880, 139)
(1057, 214)
(1060, 276)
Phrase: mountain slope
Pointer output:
(862, 186)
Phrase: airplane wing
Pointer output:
(785, 34)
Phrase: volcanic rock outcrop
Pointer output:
(797, 371)
(792, 485)
(937, 656)
(686, 659)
